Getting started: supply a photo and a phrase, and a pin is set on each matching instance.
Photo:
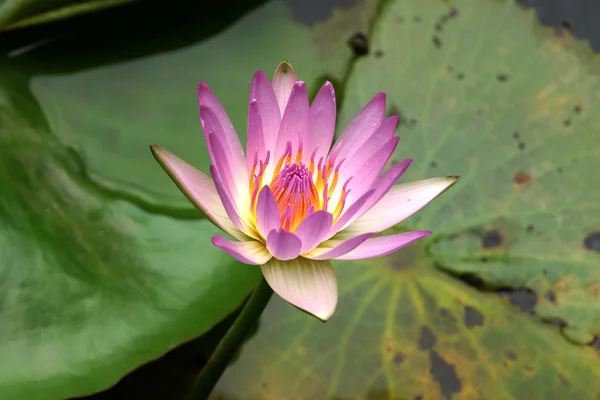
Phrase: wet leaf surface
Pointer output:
(512, 111)
(525, 211)
(23, 13)
(111, 113)
(402, 330)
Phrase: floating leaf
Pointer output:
(92, 286)
(22, 13)
(111, 113)
(485, 93)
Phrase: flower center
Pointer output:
(300, 190)
(295, 194)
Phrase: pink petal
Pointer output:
(283, 81)
(399, 203)
(249, 252)
(371, 146)
(268, 109)
(283, 245)
(362, 126)
(309, 285)
(367, 175)
(382, 186)
(233, 188)
(350, 212)
(226, 133)
(294, 124)
(314, 229)
(255, 146)
(225, 200)
(322, 123)
(236, 163)
(267, 212)
(340, 247)
(382, 246)
(198, 188)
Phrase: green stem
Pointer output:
(219, 360)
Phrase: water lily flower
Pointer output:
(294, 202)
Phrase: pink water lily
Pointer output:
(294, 202)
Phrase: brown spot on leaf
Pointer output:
(473, 317)
(511, 355)
(592, 241)
(528, 368)
(437, 42)
(433, 164)
(447, 316)
(426, 338)
(522, 178)
(521, 146)
(594, 289)
(567, 122)
(502, 77)
(516, 135)
(491, 239)
(563, 380)
(359, 43)
(460, 76)
(557, 321)
(398, 358)
(529, 228)
(578, 108)
(444, 374)
(550, 296)
(524, 298)
(379, 54)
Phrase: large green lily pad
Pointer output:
(22, 13)
(485, 93)
(110, 113)
(92, 286)
(404, 330)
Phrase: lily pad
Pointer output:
(404, 330)
(22, 13)
(110, 113)
(512, 111)
(486, 93)
(92, 286)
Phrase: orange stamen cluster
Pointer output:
(299, 190)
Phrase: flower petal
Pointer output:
(381, 187)
(322, 123)
(314, 229)
(268, 110)
(249, 252)
(283, 245)
(198, 188)
(235, 163)
(369, 171)
(350, 212)
(294, 124)
(399, 203)
(226, 201)
(267, 212)
(336, 248)
(362, 126)
(372, 145)
(255, 146)
(283, 81)
(381, 246)
(220, 124)
(307, 284)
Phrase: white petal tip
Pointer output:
(306, 284)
